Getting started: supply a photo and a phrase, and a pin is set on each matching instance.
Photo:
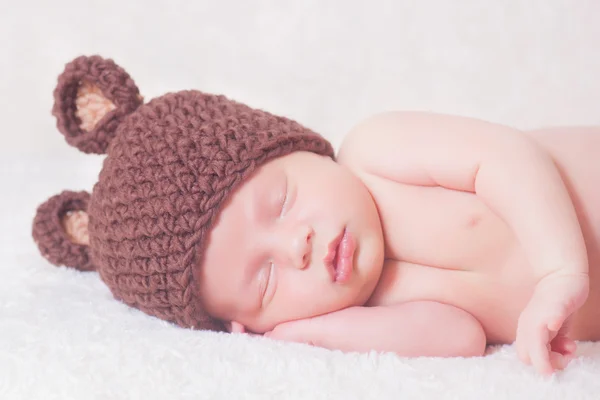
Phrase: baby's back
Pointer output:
(448, 246)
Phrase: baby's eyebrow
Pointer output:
(262, 199)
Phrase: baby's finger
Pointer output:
(522, 352)
(558, 361)
(540, 354)
(570, 346)
(557, 322)
(563, 345)
(523, 341)
(540, 359)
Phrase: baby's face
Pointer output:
(266, 261)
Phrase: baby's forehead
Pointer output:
(296, 163)
(263, 178)
(270, 173)
(267, 181)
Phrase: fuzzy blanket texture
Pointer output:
(327, 64)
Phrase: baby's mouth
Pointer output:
(339, 259)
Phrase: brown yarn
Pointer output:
(117, 87)
(52, 240)
(170, 167)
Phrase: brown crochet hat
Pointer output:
(170, 165)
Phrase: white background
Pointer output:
(327, 64)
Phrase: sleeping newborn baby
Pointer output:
(426, 235)
(431, 235)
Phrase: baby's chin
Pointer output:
(365, 286)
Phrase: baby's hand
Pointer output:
(300, 331)
(544, 323)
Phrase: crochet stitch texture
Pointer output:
(171, 165)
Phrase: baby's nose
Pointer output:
(301, 247)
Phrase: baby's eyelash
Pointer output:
(285, 198)
(266, 281)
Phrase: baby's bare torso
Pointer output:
(447, 246)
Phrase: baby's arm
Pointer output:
(421, 328)
(515, 177)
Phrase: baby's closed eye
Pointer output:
(266, 283)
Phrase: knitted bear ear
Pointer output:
(91, 99)
(60, 230)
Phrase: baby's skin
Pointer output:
(430, 235)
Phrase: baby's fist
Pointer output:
(542, 333)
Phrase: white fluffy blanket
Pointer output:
(327, 64)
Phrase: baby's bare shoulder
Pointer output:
(424, 139)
